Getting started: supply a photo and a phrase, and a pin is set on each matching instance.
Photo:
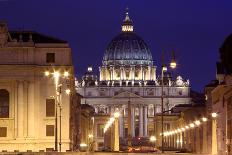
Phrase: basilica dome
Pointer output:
(127, 48)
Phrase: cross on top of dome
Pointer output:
(127, 25)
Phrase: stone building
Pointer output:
(222, 101)
(86, 127)
(27, 97)
(213, 134)
(128, 74)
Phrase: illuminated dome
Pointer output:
(127, 48)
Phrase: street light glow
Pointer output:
(46, 73)
(67, 91)
(152, 138)
(192, 125)
(197, 122)
(214, 114)
(66, 74)
(56, 74)
(204, 119)
(116, 114)
(83, 145)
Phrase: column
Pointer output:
(198, 140)
(25, 108)
(149, 72)
(123, 73)
(174, 140)
(133, 121)
(111, 73)
(116, 135)
(131, 76)
(20, 109)
(141, 71)
(141, 121)
(121, 126)
(204, 139)
(214, 137)
(145, 121)
(31, 108)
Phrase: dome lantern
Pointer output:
(127, 25)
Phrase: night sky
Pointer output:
(195, 29)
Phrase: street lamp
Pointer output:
(56, 76)
(214, 114)
(153, 140)
(164, 69)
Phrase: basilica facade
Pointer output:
(128, 78)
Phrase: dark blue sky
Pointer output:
(195, 29)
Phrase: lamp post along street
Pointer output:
(58, 91)
(56, 76)
(59, 104)
(162, 109)
(164, 69)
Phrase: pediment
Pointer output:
(126, 94)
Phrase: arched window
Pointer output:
(4, 103)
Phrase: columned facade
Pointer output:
(26, 95)
(128, 74)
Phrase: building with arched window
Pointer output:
(27, 97)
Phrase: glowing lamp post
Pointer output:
(57, 75)
(164, 69)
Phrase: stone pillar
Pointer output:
(145, 121)
(111, 73)
(121, 126)
(132, 73)
(198, 140)
(133, 121)
(20, 109)
(121, 74)
(178, 139)
(116, 135)
(31, 108)
(214, 137)
(141, 121)
(141, 73)
(204, 139)
(25, 108)
(174, 140)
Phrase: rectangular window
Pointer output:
(50, 107)
(3, 131)
(50, 57)
(49, 130)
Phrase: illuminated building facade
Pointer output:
(27, 97)
(128, 75)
